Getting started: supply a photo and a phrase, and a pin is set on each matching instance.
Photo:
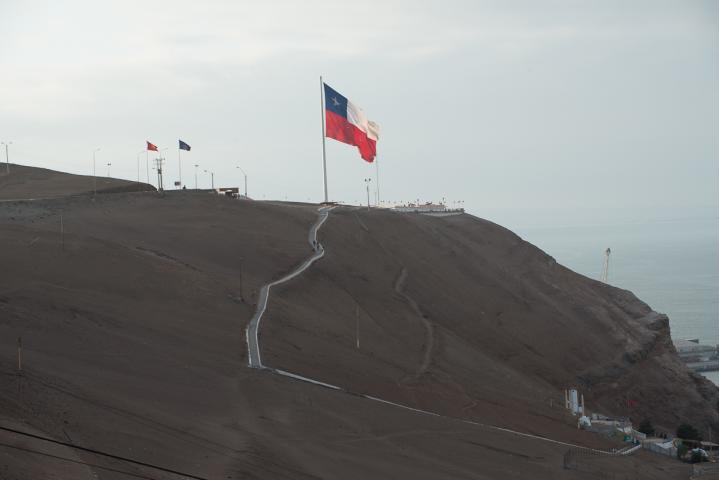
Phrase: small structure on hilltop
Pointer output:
(428, 208)
(233, 192)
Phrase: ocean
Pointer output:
(670, 261)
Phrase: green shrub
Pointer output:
(646, 428)
(688, 432)
(681, 451)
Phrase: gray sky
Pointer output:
(509, 106)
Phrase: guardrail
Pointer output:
(575, 453)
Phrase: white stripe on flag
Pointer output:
(356, 116)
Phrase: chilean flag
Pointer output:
(347, 123)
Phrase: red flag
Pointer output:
(152, 147)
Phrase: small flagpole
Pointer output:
(179, 162)
(324, 151)
(147, 165)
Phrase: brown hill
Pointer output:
(133, 341)
(30, 182)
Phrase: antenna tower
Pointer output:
(158, 166)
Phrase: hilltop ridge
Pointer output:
(32, 182)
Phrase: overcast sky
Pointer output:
(516, 106)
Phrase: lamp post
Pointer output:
(367, 181)
(212, 175)
(243, 173)
(196, 176)
(108, 169)
(7, 156)
(94, 171)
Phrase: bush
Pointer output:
(681, 451)
(646, 428)
(688, 432)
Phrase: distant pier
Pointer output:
(707, 366)
(698, 357)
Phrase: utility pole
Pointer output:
(158, 163)
(367, 181)
(7, 157)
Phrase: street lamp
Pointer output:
(243, 173)
(108, 169)
(94, 176)
(367, 181)
(196, 176)
(7, 157)
(212, 175)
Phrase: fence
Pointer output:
(575, 453)
(593, 462)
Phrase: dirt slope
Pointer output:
(133, 340)
(30, 182)
(507, 326)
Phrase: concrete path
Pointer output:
(253, 343)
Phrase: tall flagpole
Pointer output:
(376, 166)
(324, 152)
(179, 162)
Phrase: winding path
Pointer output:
(253, 343)
(255, 360)
(429, 343)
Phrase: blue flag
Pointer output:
(184, 146)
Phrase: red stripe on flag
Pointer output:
(339, 128)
